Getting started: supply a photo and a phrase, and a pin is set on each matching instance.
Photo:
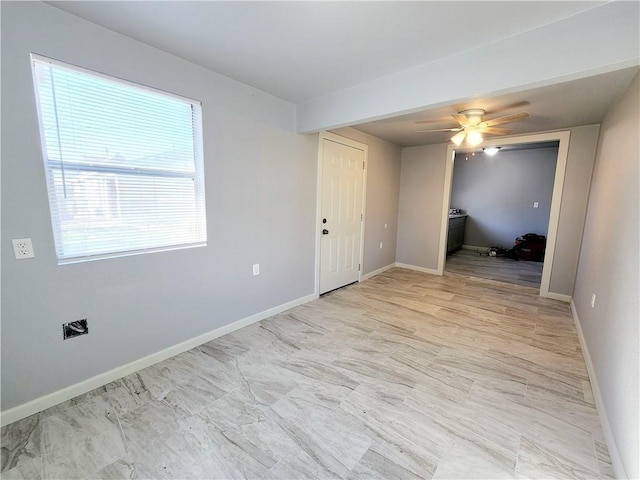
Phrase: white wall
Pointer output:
(421, 192)
(383, 192)
(260, 200)
(609, 267)
(498, 193)
(600, 40)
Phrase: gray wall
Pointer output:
(577, 180)
(421, 190)
(260, 192)
(383, 193)
(609, 267)
(498, 194)
(420, 211)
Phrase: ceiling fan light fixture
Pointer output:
(491, 151)
(458, 138)
(472, 125)
(474, 138)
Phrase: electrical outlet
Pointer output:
(380, 245)
(256, 269)
(385, 225)
(535, 204)
(22, 248)
(593, 300)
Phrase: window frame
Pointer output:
(53, 165)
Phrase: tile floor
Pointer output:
(472, 263)
(405, 375)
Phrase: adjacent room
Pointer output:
(320, 240)
(501, 231)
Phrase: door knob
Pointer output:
(324, 220)
(325, 231)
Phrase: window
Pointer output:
(123, 164)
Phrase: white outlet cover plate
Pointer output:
(22, 248)
(256, 269)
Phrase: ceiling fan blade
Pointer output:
(495, 131)
(461, 119)
(505, 119)
(440, 130)
(439, 120)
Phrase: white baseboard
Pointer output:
(432, 271)
(42, 403)
(556, 296)
(614, 454)
(366, 276)
(475, 248)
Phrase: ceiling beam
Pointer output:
(600, 40)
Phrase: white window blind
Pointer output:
(123, 163)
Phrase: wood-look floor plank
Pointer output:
(478, 264)
(405, 375)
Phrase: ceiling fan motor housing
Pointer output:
(474, 115)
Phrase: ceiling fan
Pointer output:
(472, 126)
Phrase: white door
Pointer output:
(341, 214)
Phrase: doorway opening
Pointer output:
(559, 140)
(499, 215)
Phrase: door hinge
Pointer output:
(358, 267)
(363, 165)
(361, 216)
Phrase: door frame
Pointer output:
(556, 200)
(322, 136)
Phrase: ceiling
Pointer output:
(563, 105)
(301, 51)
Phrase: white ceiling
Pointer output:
(301, 51)
(563, 105)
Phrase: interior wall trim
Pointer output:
(333, 137)
(431, 271)
(557, 296)
(46, 401)
(614, 454)
(378, 271)
(475, 247)
(563, 137)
